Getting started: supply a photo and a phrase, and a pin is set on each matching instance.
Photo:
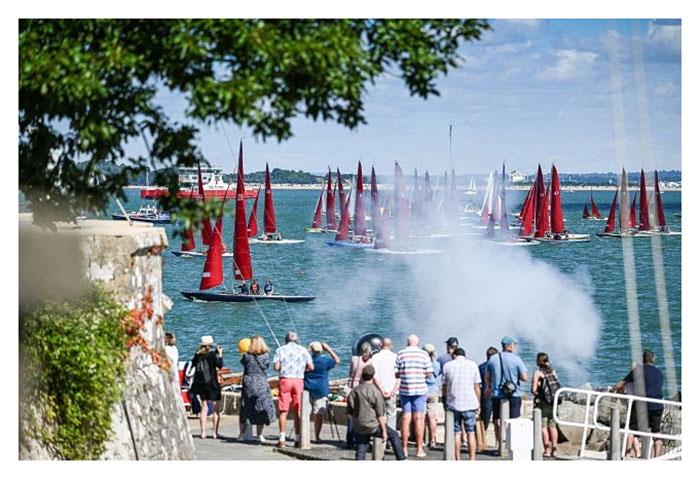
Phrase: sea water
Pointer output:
(359, 292)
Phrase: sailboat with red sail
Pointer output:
(594, 214)
(657, 216)
(253, 220)
(551, 225)
(270, 234)
(625, 227)
(360, 237)
(318, 213)
(213, 276)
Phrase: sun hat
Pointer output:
(244, 345)
(507, 340)
(315, 347)
(428, 348)
(207, 340)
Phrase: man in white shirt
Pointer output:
(174, 357)
(461, 386)
(385, 380)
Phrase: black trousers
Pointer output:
(362, 443)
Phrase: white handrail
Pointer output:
(592, 422)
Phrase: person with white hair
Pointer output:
(291, 360)
(413, 367)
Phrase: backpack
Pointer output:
(202, 373)
(550, 386)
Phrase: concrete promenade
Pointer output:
(227, 446)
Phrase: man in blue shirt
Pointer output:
(316, 382)
(485, 416)
(503, 371)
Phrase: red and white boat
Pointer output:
(594, 214)
(626, 230)
(214, 185)
(359, 237)
(270, 234)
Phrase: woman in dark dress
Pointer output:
(205, 383)
(257, 406)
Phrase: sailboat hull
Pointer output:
(640, 234)
(224, 297)
(570, 238)
(349, 244)
(260, 240)
(196, 254)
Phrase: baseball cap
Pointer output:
(452, 341)
(315, 347)
(507, 340)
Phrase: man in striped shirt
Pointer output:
(413, 366)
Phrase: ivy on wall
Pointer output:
(71, 372)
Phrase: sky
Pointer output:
(530, 91)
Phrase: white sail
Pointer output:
(488, 195)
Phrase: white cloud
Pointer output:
(525, 22)
(570, 64)
(664, 35)
(665, 90)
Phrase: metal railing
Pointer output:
(590, 420)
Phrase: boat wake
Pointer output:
(420, 251)
(282, 241)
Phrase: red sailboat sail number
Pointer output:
(270, 224)
(557, 215)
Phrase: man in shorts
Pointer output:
(653, 385)
(413, 367)
(316, 382)
(291, 360)
(461, 385)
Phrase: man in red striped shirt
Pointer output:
(413, 366)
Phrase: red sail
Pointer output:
(253, 220)
(213, 274)
(344, 226)
(188, 243)
(527, 198)
(586, 214)
(557, 215)
(540, 202)
(270, 225)
(331, 222)
(660, 216)
(644, 224)
(359, 226)
(242, 262)
(316, 223)
(610, 225)
(528, 213)
(374, 195)
(206, 223)
(542, 226)
(633, 213)
(594, 209)
(341, 192)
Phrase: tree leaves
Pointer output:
(88, 87)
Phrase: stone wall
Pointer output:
(149, 422)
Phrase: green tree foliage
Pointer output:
(71, 372)
(87, 87)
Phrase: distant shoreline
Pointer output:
(564, 188)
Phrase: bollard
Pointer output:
(505, 415)
(614, 451)
(449, 450)
(538, 447)
(377, 449)
(305, 421)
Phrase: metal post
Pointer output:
(377, 449)
(538, 449)
(305, 421)
(449, 450)
(505, 415)
(614, 446)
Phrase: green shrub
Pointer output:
(71, 372)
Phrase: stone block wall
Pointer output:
(149, 422)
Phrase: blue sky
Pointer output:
(530, 91)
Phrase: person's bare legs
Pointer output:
(432, 425)
(259, 428)
(553, 439)
(472, 446)
(458, 446)
(318, 424)
(405, 431)
(546, 442)
(657, 447)
(202, 417)
(297, 425)
(215, 418)
(283, 424)
(497, 432)
(419, 424)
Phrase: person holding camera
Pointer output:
(504, 371)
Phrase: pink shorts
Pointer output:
(291, 390)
